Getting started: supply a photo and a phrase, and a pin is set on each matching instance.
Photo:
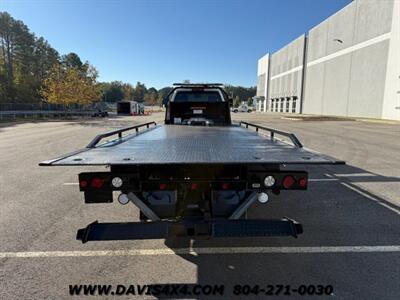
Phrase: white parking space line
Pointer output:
(397, 211)
(71, 183)
(323, 179)
(370, 197)
(356, 175)
(199, 251)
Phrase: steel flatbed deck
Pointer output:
(181, 144)
(195, 176)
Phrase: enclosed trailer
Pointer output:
(130, 108)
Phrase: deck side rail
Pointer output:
(296, 142)
(118, 132)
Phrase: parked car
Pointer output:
(242, 108)
(100, 113)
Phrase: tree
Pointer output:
(66, 85)
(24, 61)
(236, 102)
(45, 58)
(140, 91)
(249, 101)
(16, 55)
(162, 93)
(129, 91)
(72, 60)
(112, 91)
(151, 97)
(242, 92)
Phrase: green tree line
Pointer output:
(33, 71)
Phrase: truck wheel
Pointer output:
(235, 110)
(249, 111)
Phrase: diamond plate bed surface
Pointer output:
(174, 144)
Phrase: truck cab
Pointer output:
(197, 104)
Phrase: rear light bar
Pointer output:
(256, 180)
(288, 180)
(94, 181)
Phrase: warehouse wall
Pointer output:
(286, 74)
(391, 101)
(346, 61)
(262, 84)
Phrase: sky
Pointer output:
(159, 42)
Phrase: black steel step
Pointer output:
(164, 229)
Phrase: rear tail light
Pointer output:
(194, 186)
(302, 182)
(288, 182)
(97, 182)
(226, 186)
(83, 183)
(163, 186)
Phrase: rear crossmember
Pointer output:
(212, 228)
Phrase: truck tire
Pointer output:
(249, 110)
(235, 110)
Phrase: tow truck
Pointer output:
(195, 176)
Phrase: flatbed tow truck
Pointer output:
(194, 176)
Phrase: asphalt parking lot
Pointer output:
(351, 218)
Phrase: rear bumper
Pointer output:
(164, 229)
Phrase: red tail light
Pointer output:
(97, 182)
(163, 186)
(226, 186)
(83, 183)
(194, 186)
(302, 182)
(288, 182)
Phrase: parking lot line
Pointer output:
(198, 251)
(323, 179)
(370, 197)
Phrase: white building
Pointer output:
(262, 86)
(348, 65)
